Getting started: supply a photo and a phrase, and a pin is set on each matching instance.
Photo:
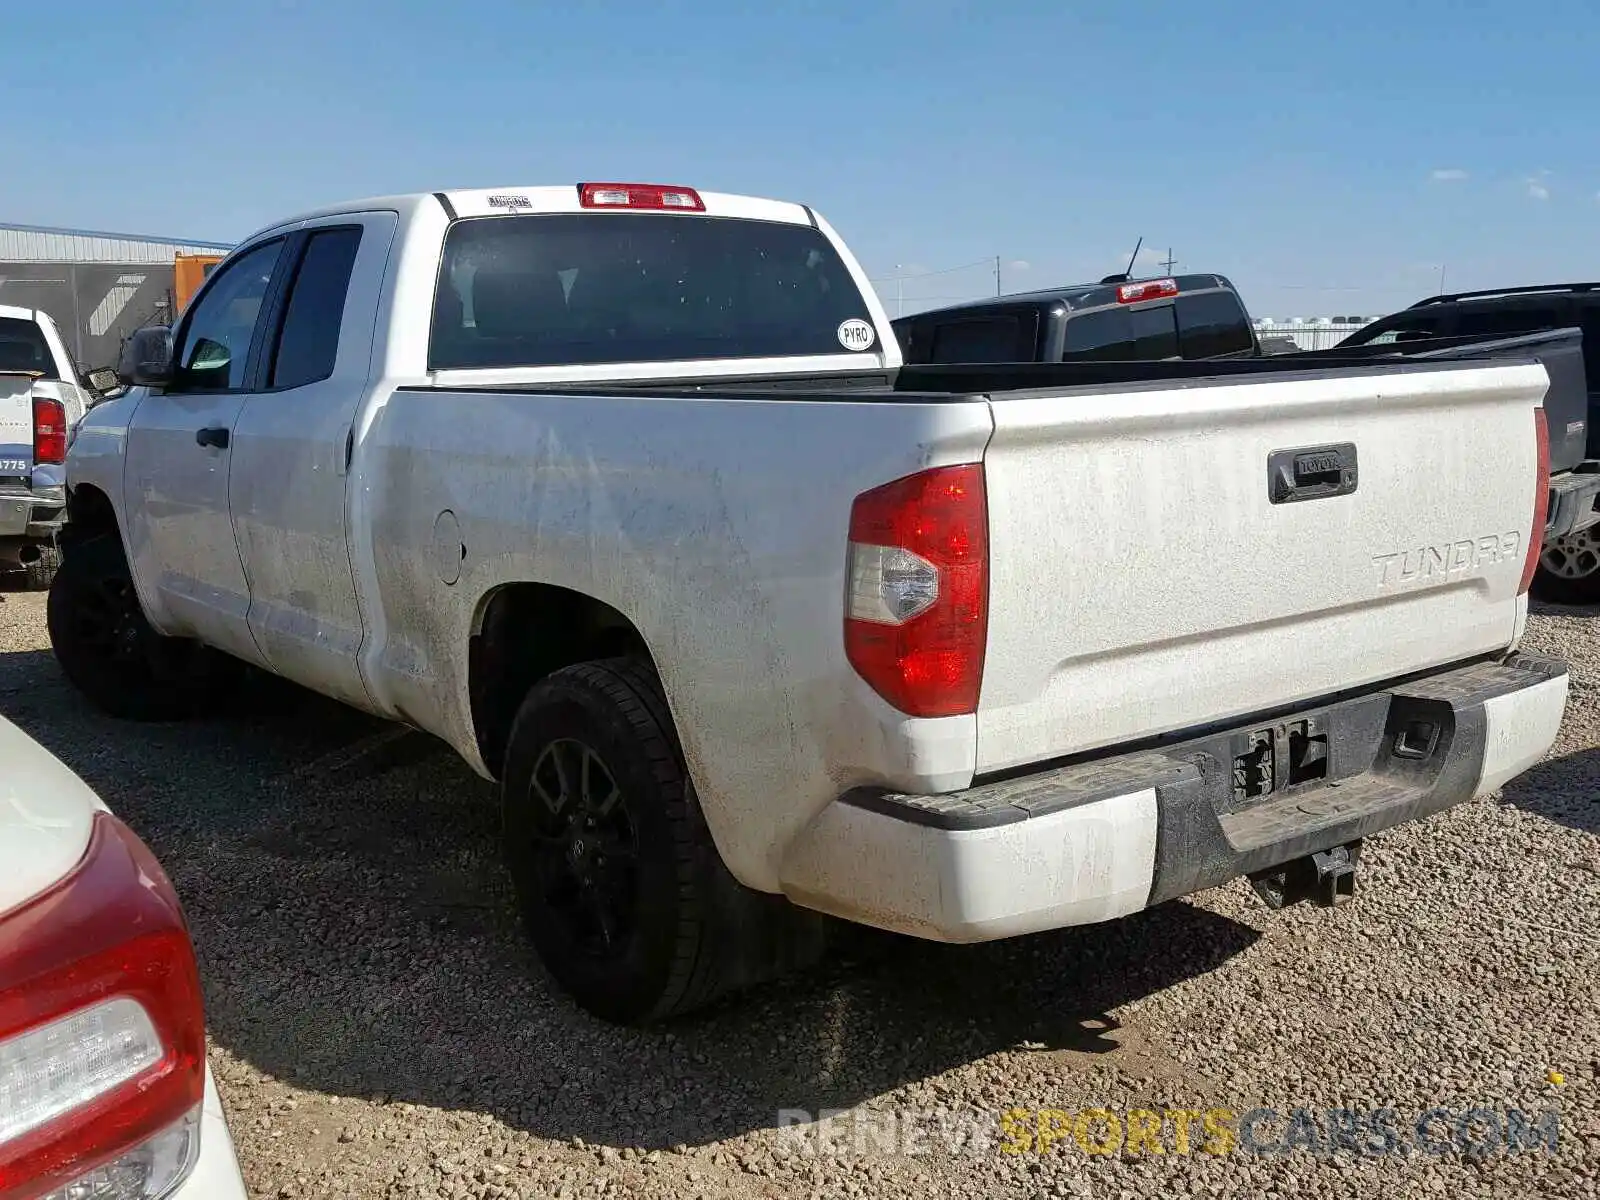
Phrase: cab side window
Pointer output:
(308, 341)
(213, 349)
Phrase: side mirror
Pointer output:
(104, 379)
(147, 357)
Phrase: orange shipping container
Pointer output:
(189, 271)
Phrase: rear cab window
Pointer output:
(1123, 332)
(1212, 324)
(534, 290)
(23, 348)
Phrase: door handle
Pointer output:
(214, 435)
(1312, 473)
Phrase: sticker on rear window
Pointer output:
(509, 202)
(856, 334)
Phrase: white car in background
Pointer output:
(104, 1089)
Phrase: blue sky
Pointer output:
(1328, 157)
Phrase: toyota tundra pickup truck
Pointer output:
(624, 492)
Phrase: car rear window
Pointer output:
(1110, 334)
(548, 290)
(979, 340)
(1211, 324)
(23, 348)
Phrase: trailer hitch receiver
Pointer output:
(1328, 878)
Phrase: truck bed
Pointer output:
(1135, 537)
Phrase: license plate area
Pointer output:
(1279, 758)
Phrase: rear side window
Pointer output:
(1107, 334)
(309, 341)
(637, 287)
(981, 340)
(23, 348)
(1506, 320)
(1403, 329)
(1211, 324)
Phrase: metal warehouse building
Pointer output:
(98, 287)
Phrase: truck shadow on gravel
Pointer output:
(356, 937)
(1565, 790)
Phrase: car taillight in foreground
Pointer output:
(102, 1032)
(49, 431)
(916, 615)
(639, 195)
(1541, 501)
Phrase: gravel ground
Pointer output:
(379, 1029)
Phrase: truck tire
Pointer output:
(621, 889)
(37, 575)
(108, 651)
(1569, 569)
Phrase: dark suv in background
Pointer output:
(1185, 316)
(1505, 312)
(1570, 564)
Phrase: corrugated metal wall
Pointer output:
(36, 244)
(97, 287)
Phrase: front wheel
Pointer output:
(1569, 569)
(108, 651)
(621, 889)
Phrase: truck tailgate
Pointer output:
(1143, 580)
(16, 427)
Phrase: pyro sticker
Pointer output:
(856, 334)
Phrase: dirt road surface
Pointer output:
(379, 1028)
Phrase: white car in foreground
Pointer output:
(104, 1089)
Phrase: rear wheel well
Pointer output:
(89, 514)
(526, 631)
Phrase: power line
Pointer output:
(982, 262)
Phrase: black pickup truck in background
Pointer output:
(1560, 324)
(1117, 319)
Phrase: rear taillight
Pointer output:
(1150, 289)
(916, 615)
(1541, 501)
(639, 195)
(49, 431)
(102, 1032)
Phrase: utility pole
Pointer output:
(1441, 279)
(1169, 262)
(899, 290)
(996, 274)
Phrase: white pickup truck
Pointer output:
(41, 399)
(623, 492)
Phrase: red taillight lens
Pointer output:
(102, 1030)
(49, 431)
(1541, 501)
(639, 195)
(916, 616)
(1150, 289)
